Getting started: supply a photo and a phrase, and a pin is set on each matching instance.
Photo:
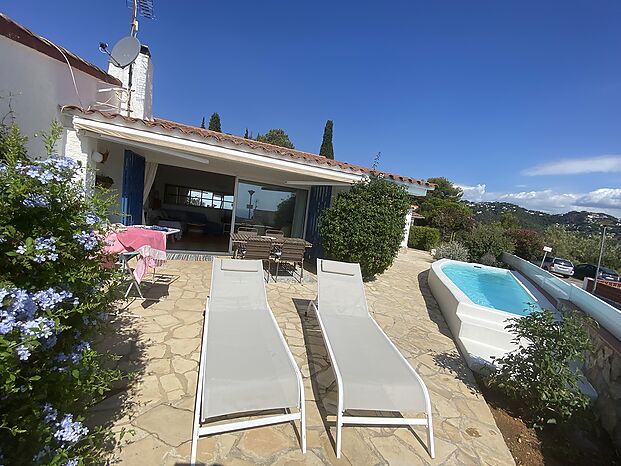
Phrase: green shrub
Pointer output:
(54, 299)
(425, 238)
(365, 225)
(528, 243)
(452, 250)
(490, 238)
(539, 373)
(488, 259)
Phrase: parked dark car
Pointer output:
(588, 270)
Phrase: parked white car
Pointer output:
(558, 265)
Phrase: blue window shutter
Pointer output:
(320, 197)
(133, 187)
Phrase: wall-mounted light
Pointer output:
(98, 157)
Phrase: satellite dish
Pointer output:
(125, 51)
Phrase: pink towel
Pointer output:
(150, 244)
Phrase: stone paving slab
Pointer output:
(161, 342)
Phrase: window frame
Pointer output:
(206, 199)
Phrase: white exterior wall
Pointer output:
(80, 148)
(37, 85)
(408, 224)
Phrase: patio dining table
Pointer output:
(241, 238)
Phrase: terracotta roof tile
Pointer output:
(250, 143)
(18, 33)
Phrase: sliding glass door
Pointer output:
(266, 207)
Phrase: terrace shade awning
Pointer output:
(202, 151)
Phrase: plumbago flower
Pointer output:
(42, 249)
(88, 240)
(18, 314)
(35, 200)
(65, 432)
(52, 169)
(74, 356)
(54, 296)
(91, 219)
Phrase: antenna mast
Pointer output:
(134, 25)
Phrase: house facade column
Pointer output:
(79, 148)
(406, 228)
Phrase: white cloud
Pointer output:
(602, 198)
(599, 164)
(473, 193)
(606, 200)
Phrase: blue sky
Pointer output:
(514, 100)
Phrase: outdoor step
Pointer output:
(479, 350)
(487, 335)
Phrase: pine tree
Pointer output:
(203, 123)
(214, 122)
(277, 137)
(326, 146)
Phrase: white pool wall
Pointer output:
(606, 315)
(478, 330)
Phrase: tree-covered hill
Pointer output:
(584, 222)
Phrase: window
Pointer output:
(267, 206)
(181, 195)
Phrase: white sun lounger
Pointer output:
(245, 366)
(371, 373)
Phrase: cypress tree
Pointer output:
(214, 122)
(203, 123)
(326, 146)
(246, 134)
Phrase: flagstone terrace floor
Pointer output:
(160, 341)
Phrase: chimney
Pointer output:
(140, 72)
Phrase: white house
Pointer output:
(206, 182)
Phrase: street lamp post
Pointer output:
(599, 260)
(251, 192)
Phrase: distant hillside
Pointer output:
(585, 222)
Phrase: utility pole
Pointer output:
(599, 260)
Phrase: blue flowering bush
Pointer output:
(55, 293)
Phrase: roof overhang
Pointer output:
(200, 149)
(203, 150)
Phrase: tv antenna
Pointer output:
(126, 51)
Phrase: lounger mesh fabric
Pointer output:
(373, 377)
(247, 367)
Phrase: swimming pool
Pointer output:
(491, 287)
(477, 302)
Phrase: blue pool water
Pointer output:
(490, 288)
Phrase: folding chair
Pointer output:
(124, 259)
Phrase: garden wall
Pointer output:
(603, 365)
(604, 314)
(603, 369)
(606, 290)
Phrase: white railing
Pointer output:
(606, 315)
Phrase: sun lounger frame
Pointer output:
(199, 429)
(342, 420)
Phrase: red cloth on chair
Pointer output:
(151, 245)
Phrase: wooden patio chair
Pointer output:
(275, 233)
(250, 231)
(240, 249)
(259, 249)
(291, 252)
